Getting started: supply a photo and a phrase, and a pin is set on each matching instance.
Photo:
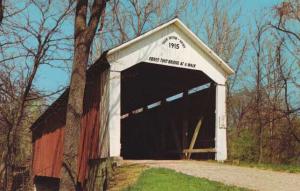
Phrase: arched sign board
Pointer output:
(171, 44)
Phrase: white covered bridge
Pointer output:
(159, 96)
(167, 97)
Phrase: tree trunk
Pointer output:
(74, 112)
(1, 11)
(84, 34)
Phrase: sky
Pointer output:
(50, 79)
(258, 5)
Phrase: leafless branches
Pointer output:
(125, 20)
(288, 12)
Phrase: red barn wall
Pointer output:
(48, 131)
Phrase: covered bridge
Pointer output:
(158, 96)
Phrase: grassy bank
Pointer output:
(125, 175)
(141, 178)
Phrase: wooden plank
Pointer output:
(194, 138)
(207, 150)
(175, 135)
(184, 134)
(185, 122)
(103, 142)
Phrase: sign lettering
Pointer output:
(174, 42)
(171, 62)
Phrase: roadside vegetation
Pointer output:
(267, 166)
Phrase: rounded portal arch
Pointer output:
(160, 109)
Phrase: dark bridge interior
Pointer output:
(160, 108)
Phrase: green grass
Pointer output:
(159, 179)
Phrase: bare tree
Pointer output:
(36, 45)
(258, 62)
(288, 16)
(19, 155)
(285, 77)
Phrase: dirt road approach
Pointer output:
(252, 178)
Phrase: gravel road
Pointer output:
(252, 178)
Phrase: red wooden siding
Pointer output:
(90, 132)
(49, 129)
(48, 154)
(48, 140)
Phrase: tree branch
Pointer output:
(286, 31)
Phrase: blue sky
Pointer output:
(50, 79)
(257, 5)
